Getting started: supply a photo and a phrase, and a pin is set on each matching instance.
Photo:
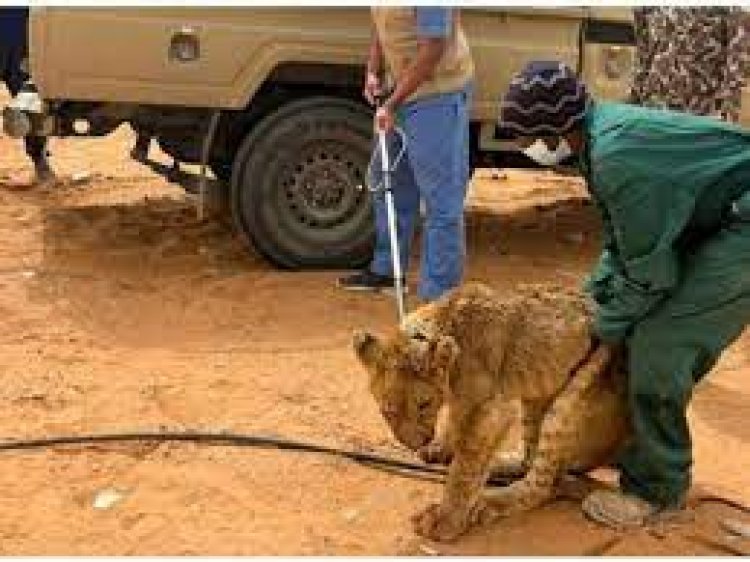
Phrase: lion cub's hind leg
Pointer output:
(557, 439)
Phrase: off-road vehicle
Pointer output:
(282, 86)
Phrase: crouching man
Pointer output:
(673, 281)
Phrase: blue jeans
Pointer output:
(435, 169)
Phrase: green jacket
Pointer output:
(662, 181)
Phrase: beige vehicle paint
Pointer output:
(242, 46)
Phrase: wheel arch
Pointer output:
(286, 83)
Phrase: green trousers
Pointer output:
(672, 349)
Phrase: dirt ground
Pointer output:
(121, 310)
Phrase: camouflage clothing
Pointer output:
(691, 59)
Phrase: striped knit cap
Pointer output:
(546, 98)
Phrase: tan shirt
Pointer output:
(397, 31)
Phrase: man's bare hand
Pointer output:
(373, 88)
(384, 118)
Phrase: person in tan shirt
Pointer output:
(420, 63)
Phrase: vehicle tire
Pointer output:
(298, 190)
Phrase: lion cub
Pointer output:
(479, 353)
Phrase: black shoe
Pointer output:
(139, 153)
(366, 280)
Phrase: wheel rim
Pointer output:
(325, 187)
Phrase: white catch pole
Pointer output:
(390, 206)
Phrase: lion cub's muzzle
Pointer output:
(412, 438)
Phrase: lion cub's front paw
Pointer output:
(438, 524)
(436, 452)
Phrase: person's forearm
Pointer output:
(375, 56)
(418, 72)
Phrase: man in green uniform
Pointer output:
(673, 282)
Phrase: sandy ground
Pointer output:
(121, 310)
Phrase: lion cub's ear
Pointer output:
(364, 344)
(436, 358)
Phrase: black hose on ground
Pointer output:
(392, 465)
(373, 460)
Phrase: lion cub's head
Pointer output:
(408, 378)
